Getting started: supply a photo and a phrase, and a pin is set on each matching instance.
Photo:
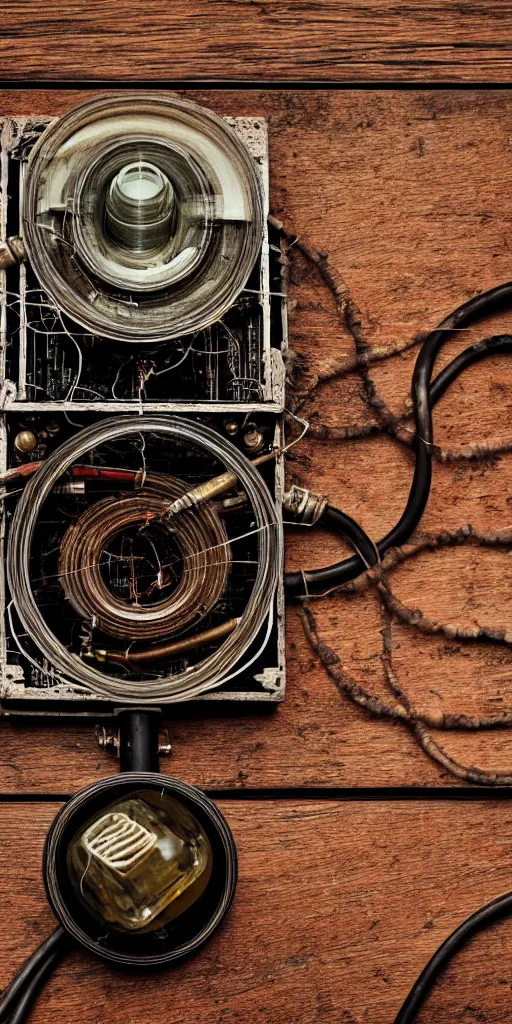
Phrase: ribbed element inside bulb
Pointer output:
(139, 207)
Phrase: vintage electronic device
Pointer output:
(143, 326)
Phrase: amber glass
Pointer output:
(140, 862)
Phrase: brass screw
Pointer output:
(164, 743)
(25, 441)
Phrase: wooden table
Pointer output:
(358, 854)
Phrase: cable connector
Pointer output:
(204, 492)
(304, 505)
(213, 488)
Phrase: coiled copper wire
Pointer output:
(196, 678)
(200, 536)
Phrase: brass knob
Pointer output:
(25, 441)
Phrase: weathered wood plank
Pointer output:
(338, 908)
(409, 193)
(299, 39)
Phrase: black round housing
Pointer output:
(158, 944)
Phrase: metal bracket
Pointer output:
(136, 740)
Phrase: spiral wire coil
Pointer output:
(202, 539)
(208, 673)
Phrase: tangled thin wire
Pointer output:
(385, 420)
(209, 568)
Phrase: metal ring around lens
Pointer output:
(198, 271)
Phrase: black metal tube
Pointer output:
(138, 739)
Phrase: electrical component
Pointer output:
(145, 553)
(25, 441)
(139, 868)
(53, 357)
(197, 553)
(254, 440)
(140, 862)
(137, 277)
(204, 550)
(157, 246)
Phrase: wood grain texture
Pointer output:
(339, 906)
(410, 194)
(242, 39)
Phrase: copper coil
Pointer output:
(200, 536)
(225, 661)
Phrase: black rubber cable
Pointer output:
(53, 945)
(498, 344)
(341, 523)
(426, 395)
(500, 907)
(31, 989)
(315, 580)
(347, 527)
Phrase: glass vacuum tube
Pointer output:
(139, 207)
(140, 862)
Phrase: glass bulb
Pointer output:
(140, 862)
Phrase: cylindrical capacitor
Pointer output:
(70, 487)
